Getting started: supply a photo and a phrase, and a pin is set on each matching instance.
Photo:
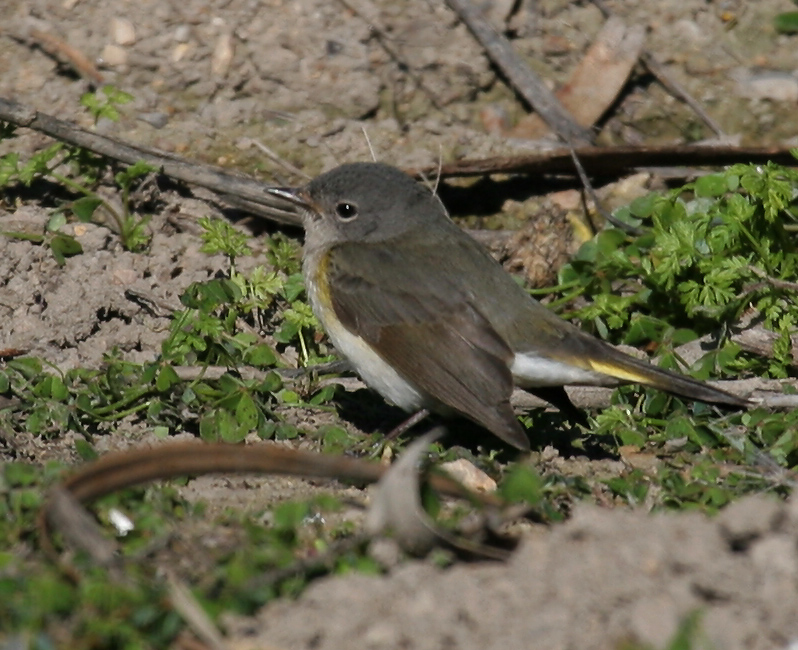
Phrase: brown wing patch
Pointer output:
(433, 338)
(462, 368)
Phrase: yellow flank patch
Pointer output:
(618, 372)
(322, 288)
(319, 293)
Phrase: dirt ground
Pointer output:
(307, 78)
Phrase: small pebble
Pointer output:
(113, 56)
(469, 475)
(122, 31)
(222, 55)
(156, 119)
(771, 85)
(182, 33)
(180, 51)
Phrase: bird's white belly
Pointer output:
(374, 371)
(377, 374)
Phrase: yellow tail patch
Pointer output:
(618, 372)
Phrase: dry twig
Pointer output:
(526, 82)
(614, 161)
(206, 176)
(62, 50)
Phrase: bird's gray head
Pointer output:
(364, 202)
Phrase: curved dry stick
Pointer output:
(123, 469)
(60, 49)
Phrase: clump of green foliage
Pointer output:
(104, 102)
(216, 328)
(787, 22)
(708, 252)
(701, 257)
(77, 171)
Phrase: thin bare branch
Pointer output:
(206, 176)
(609, 162)
(526, 82)
(62, 50)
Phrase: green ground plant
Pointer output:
(216, 328)
(702, 256)
(77, 171)
(787, 22)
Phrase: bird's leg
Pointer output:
(397, 431)
(556, 396)
(405, 426)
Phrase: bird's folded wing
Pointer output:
(428, 332)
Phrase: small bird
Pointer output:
(431, 321)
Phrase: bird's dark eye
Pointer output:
(346, 211)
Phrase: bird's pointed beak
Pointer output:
(294, 195)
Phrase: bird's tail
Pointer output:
(623, 367)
